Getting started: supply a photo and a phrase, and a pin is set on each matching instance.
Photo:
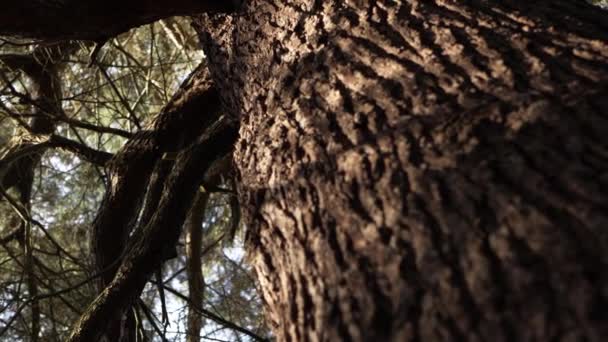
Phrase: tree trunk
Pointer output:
(422, 170)
(196, 282)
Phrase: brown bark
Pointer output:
(139, 171)
(148, 246)
(422, 170)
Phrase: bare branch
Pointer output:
(15, 234)
(89, 154)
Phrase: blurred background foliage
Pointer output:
(601, 3)
(134, 75)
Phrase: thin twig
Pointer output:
(216, 318)
(120, 97)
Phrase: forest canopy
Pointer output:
(102, 101)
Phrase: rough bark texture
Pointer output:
(139, 170)
(422, 170)
(148, 247)
(144, 178)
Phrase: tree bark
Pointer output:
(422, 170)
(95, 20)
(137, 173)
(196, 282)
(148, 247)
(417, 170)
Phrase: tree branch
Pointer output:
(215, 317)
(95, 19)
(94, 128)
(15, 234)
(194, 248)
(145, 253)
(89, 154)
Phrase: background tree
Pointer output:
(62, 121)
(396, 165)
